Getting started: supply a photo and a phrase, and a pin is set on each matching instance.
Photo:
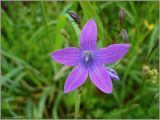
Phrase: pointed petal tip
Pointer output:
(92, 21)
(129, 45)
(108, 91)
(65, 91)
(51, 55)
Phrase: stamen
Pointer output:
(87, 55)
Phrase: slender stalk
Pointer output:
(77, 102)
(45, 18)
(151, 51)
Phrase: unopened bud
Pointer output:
(124, 35)
(155, 78)
(66, 36)
(122, 13)
(146, 68)
(153, 81)
(155, 72)
(150, 73)
(64, 33)
(74, 16)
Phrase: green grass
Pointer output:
(32, 83)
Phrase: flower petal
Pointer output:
(100, 77)
(67, 56)
(88, 35)
(112, 53)
(76, 78)
(113, 74)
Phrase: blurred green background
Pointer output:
(32, 83)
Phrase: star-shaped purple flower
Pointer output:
(89, 60)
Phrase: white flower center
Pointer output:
(87, 55)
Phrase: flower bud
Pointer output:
(153, 81)
(124, 35)
(155, 78)
(74, 16)
(64, 33)
(122, 13)
(155, 71)
(150, 73)
(146, 67)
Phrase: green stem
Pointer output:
(45, 18)
(151, 51)
(77, 102)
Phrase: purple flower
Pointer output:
(89, 60)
